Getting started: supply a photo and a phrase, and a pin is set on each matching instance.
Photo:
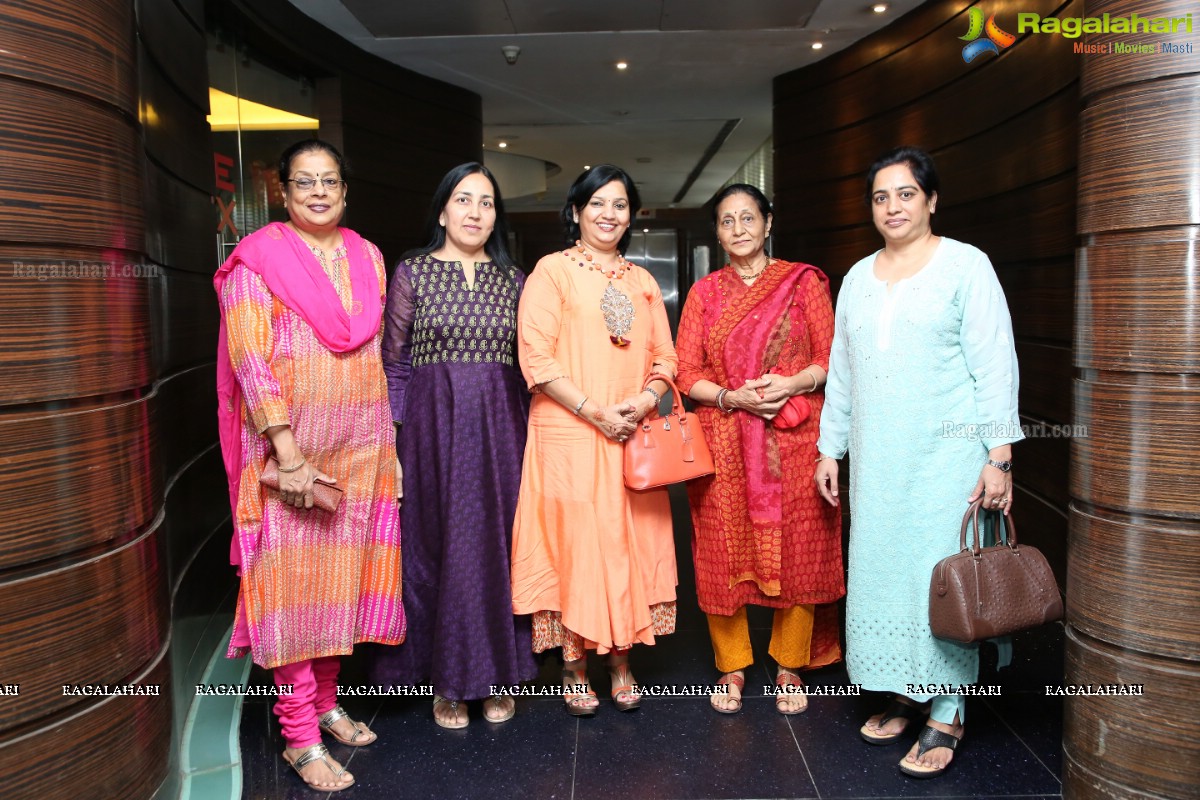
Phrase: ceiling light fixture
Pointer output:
(879, 8)
(502, 145)
(622, 65)
(511, 53)
(817, 45)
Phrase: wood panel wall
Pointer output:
(400, 131)
(112, 481)
(1134, 558)
(103, 140)
(1003, 132)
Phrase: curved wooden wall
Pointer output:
(1003, 130)
(113, 489)
(1134, 558)
(83, 576)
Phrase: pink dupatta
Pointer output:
(294, 275)
(765, 330)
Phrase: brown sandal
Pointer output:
(789, 688)
(728, 679)
(309, 755)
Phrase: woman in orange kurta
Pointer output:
(593, 562)
(754, 343)
(300, 379)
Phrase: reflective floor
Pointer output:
(678, 747)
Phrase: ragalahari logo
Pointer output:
(996, 40)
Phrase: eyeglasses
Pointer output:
(307, 184)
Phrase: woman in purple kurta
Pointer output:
(460, 407)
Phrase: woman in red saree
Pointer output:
(753, 351)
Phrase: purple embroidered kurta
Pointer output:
(450, 357)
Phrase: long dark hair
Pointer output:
(918, 162)
(435, 235)
(586, 185)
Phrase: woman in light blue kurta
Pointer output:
(922, 391)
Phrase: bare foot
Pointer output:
(318, 769)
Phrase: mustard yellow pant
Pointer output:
(791, 638)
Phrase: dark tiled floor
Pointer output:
(677, 748)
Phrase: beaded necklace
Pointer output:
(585, 258)
(617, 308)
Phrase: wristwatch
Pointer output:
(1003, 466)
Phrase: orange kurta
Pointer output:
(583, 544)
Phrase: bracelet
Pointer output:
(721, 405)
(822, 457)
(814, 380)
(579, 405)
(657, 396)
(291, 469)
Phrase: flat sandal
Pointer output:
(326, 723)
(318, 752)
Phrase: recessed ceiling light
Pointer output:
(817, 45)
(502, 145)
(879, 8)
(622, 65)
(645, 230)
(587, 166)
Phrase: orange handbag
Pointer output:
(665, 450)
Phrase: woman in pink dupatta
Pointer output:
(300, 378)
(753, 349)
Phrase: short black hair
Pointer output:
(917, 160)
(753, 192)
(435, 235)
(309, 146)
(587, 184)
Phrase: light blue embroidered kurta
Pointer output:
(922, 383)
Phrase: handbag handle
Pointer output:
(972, 516)
(676, 402)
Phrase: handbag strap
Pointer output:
(676, 401)
(971, 517)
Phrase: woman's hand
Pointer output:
(996, 487)
(616, 422)
(642, 403)
(399, 481)
(753, 396)
(295, 488)
(826, 478)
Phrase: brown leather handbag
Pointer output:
(326, 496)
(665, 450)
(983, 592)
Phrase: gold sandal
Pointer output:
(456, 724)
(579, 704)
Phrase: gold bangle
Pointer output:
(291, 469)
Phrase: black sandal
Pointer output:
(896, 710)
(929, 739)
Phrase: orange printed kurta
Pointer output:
(737, 563)
(583, 544)
(313, 583)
